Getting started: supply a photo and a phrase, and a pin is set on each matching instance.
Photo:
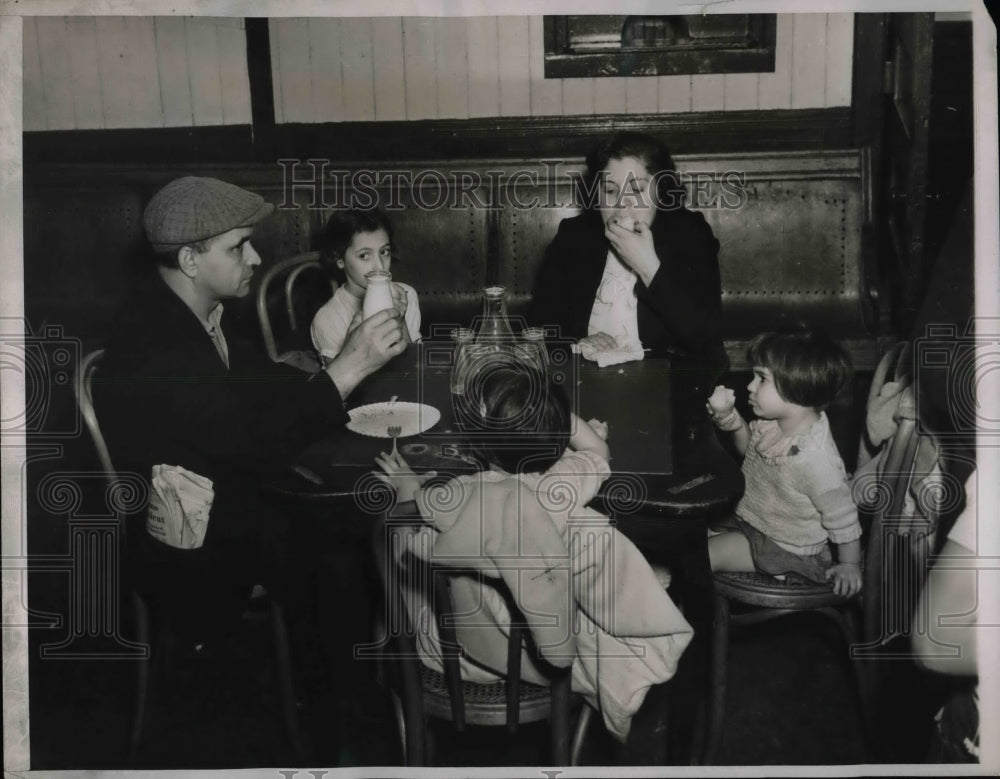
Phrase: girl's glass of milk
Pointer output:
(378, 295)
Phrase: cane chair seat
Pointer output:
(485, 704)
(420, 693)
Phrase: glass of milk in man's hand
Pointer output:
(378, 294)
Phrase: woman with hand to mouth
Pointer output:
(637, 270)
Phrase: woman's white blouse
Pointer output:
(615, 310)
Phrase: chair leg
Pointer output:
(582, 723)
(397, 713)
(717, 697)
(143, 672)
(863, 676)
(560, 713)
(286, 684)
(415, 732)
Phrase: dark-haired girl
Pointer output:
(354, 243)
(797, 500)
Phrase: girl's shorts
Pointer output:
(775, 560)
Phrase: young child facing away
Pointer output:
(797, 500)
(596, 606)
(355, 242)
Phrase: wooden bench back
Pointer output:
(791, 228)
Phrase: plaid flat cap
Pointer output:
(194, 208)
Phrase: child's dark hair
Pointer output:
(809, 367)
(654, 155)
(340, 230)
(526, 424)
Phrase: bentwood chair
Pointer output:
(290, 342)
(419, 692)
(898, 541)
(161, 643)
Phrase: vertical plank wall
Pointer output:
(455, 68)
(110, 72)
(116, 72)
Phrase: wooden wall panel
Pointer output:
(839, 56)
(609, 95)
(498, 62)
(233, 76)
(484, 66)
(546, 94)
(290, 66)
(206, 84)
(174, 73)
(120, 72)
(33, 98)
(387, 69)
(356, 64)
(774, 90)
(123, 72)
(809, 61)
(512, 66)
(740, 91)
(674, 94)
(325, 70)
(88, 111)
(641, 94)
(578, 96)
(419, 68)
(452, 68)
(708, 93)
(57, 83)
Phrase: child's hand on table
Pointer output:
(400, 476)
(599, 427)
(846, 579)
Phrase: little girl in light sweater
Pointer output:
(797, 501)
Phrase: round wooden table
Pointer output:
(666, 485)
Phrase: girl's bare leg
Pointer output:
(730, 552)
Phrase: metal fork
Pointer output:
(394, 431)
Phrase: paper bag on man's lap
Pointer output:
(179, 506)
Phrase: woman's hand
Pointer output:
(634, 247)
(400, 476)
(600, 342)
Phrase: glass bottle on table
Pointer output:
(461, 357)
(494, 333)
(533, 349)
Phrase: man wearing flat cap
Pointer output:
(202, 416)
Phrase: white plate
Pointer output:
(374, 419)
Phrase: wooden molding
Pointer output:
(446, 139)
